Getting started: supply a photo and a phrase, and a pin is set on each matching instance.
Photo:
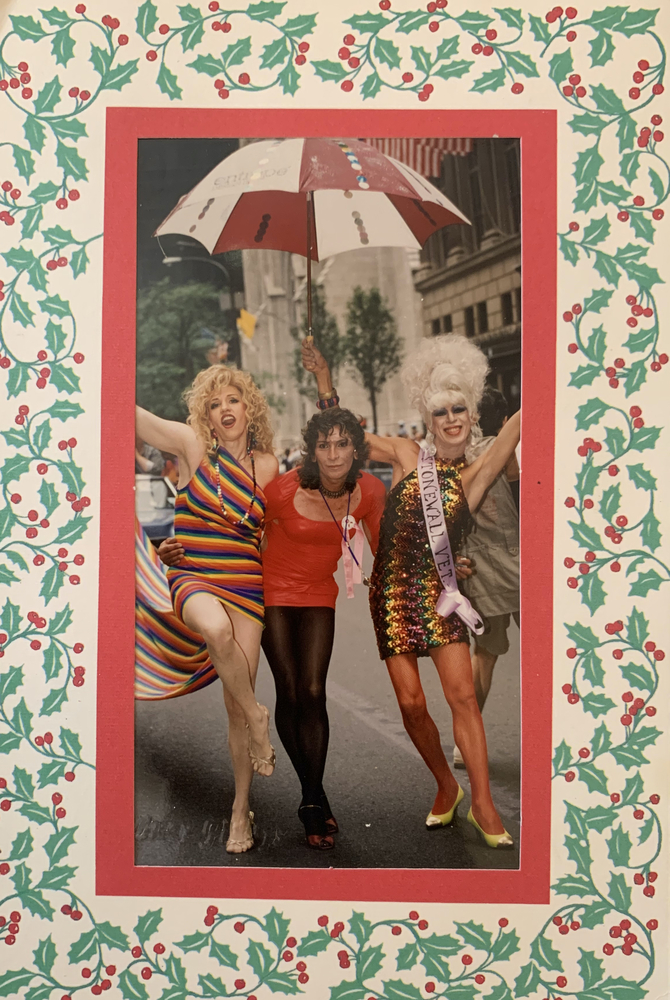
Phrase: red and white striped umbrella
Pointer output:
(314, 197)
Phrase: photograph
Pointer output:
(328, 378)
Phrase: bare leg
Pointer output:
(455, 671)
(483, 663)
(204, 614)
(404, 673)
(247, 634)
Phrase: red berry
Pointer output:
(652, 925)
(581, 92)
(638, 77)
(638, 200)
(634, 93)
(568, 317)
(561, 981)
(385, 4)
(164, 28)
(62, 203)
(571, 35)
(122, 40)
(477, 48)
(85, 94)
(658, 88)
(288, 956)
(300, 60)
(244, 79)
(608, 949)
(466, 959)
(151, 56)
(658, 214)
(654, 799)
(613, 470)
(429, 987)
(86, 973)
(655, 366)
(567, 689)
(572, 583)
(517, 88)
(570, 776)
(73, 195)
(487, 50)
(146, 972)
(240, 984)
(348, 40)
(649, 891)
(573, 698)
(396, 930)
(584, 752)
(344, 53)
(302, 978)
(159, 948)
(303, 47)
(214, 6)
(491, 34)
(300, 966)
(347, 85)
(407, 77)
(69, 775)
(423, 925)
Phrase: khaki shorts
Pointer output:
(494, 638)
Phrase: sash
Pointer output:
(450, 600)
(352, 558)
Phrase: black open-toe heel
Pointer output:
(316, 832)
(331, 822)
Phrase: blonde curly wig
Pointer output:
(445, 371)
(211, 381)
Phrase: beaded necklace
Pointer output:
(237, 524)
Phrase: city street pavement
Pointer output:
(379, 788)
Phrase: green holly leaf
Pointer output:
(131, 987)
(394, 989)
(47, 191)
(633, 790)
(64, 410)
(544, 953)
(619, 893)
(27, 28)
(512, 18)
(560, 67)
(370, 962)
(586, 536)
(591, 968)
(629, 165)
(69, 160)
(56, 878)
(55, 337)
(597, 230)
(260, 959)
(475, 935)
(84, 947)
(52, 663)
(594, 914)
(650, 534)
(55, 699)
(607, 268)
(21, 312)
(575, 885)
(211, 986)
(68, 128)
(594, 779)
(601, 48)
(237, 52)
(591, 413)
(22, 846)
(619, 847)
(57, 18)
(72, 478)
(329, 70)
(657, 185)
(521, 63)
(582, 636)
(11, 618)
(579, 852)
(11, 983)
(529, 979)
(101, 59)
(387, 52)
(615, 441)
(64, 379)
(569, 249)
(646, 830)
(313, 943)
(167, 83)
(412, 20)
(360, 927)
(643, 438)
(51, 772)
(189, 13)
(584, 375)
(192, 36)
(298, 27)
(597, 704)
(265, 10)
(193, 942)
(14, 467)
(62, 48)
(223, 954)
(79, 262)
(23, 783)
(70, 743)
(629, 757)
(275, 53)
(587, 124)
(9, 742)
(474, 20)
(587, 168)
(563, 755)
(421, 59)
(407, 956)
(607, 101)
(52, 581)
(592, 666)
(72, 531)
(638, 676)
(148, 924)
(276, 927)
(640, 340)
(597, 300)
(366, 23)
(116, 77)
(637, 22)
(24, 162)
(493, 80)
(147, 19)
(505, 946)
(642, 226)
(457, 67)
(31, 221)
(371, 86)
(641, 478)
(207, 64)
(596, 345)
(447, 48)
(35, 133)
(610, 502)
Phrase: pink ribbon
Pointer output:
(352, 553)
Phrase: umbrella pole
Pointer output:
(309, 337)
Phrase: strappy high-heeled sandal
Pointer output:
(331, 823)
(258, 762)
(316, 834)
(242, 846)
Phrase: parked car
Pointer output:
(154, 505)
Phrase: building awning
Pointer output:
(424, 156)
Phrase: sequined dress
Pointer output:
(405, 586)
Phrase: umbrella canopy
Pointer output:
(314, 197)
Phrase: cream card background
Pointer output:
(598, 845)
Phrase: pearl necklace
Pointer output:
(238, 524)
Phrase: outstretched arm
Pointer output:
(166, 435)
(478, 477)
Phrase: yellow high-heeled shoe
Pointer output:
(435, 820)
(492, 839)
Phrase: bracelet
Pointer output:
(327, 404)
(328, 395)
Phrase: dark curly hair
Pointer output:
(325, 423)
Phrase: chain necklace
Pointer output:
(333, 494)
(238, 524)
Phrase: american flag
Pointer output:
(424, 156)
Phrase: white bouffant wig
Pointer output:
(445, 371)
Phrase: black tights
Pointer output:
(298, 643)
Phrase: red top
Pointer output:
(302, 555)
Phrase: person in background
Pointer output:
(402, 430)
(493, 547)
(148, 460)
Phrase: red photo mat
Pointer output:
(116, 872)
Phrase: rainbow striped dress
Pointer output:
(221, 557)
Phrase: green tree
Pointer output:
(372, 345)
(176, 326)
(327, 339)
